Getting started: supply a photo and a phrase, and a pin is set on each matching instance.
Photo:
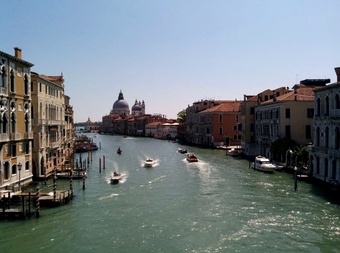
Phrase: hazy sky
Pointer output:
(172, 53)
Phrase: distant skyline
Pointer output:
(172, 53)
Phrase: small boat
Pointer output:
(115, 178)
(119, 151)
(76, 174)
(263, 164)
(191, 158)
(234, 152)
(182, 151)
(149, 162)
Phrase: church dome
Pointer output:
(120, 107)
(120, 103)
(136, 107)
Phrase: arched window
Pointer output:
(337, 101)
(26, 84)
(13, 122)
(12, 81)
(327, 106)
(317, 136)
(337, 138)
(327, 137)
(3, 79)
(318, 107)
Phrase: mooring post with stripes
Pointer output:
(71, 183)
(84, 179)
(37, 203)
(100, 165)
(104, 162)
(55, 184)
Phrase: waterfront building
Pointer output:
(200, 125)
(324, 161)
(151, 128)
(194, 133)
(92, 127)
(52, 123)
(287, 116)
(247, 109)
(15, 121)
(220, 124)
(68, 132)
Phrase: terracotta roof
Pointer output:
(301, 94)
(54, 79)
(154, 123)
(231, 106)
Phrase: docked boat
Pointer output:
(115, 178)
(76, 174)
(191, 158)
(182, 151)
(149, 162)
(263, 164)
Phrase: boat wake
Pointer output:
(109, 197)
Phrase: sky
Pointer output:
(172, 53)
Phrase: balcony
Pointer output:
(15, 137)
(29, 135)
(3, 91)
(4, 137)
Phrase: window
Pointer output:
(221, 118)
(327, 137)
(12, 81)
(288, 133)
(13, 150)
(287, 113)
(26, 84)
(310, 113)
(14, 169)
(327, 106)
(252, 110)
(337, 101)
(6, 170)
(221, 130)
(318, 107)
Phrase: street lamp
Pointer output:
(19, 168)
(295, 178)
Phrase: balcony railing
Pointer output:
(4, 137)
(29, 135)
(3, 91)
(15, 136)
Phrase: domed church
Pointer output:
(121, 107)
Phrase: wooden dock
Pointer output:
(61, 197)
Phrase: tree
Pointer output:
(182, 116)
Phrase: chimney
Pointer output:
(17, 52)
(337, 71)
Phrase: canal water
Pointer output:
(216, 205)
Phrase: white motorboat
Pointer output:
(263, 164)
(149, 162)
(115, 178)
